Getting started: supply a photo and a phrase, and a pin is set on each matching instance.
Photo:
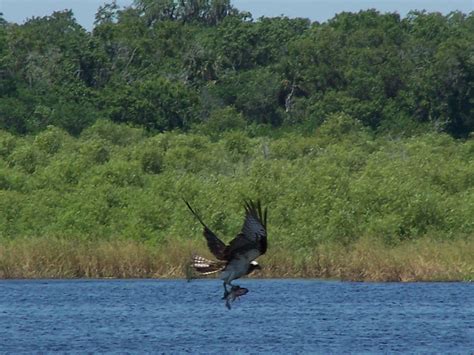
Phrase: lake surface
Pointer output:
(276, 316)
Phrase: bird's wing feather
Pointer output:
(215, 245)
(253, 234)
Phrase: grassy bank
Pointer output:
(366, 260)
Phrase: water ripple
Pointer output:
(277, 316)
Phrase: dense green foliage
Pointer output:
(164, 64)
(337, 185)
(360, 127)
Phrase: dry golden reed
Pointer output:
(370, 260)
(365, 260)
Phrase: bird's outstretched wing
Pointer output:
(215, 245)
(252, 240)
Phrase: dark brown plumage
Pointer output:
(236, 259)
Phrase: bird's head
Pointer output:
(254, 266)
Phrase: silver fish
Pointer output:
(234, 294)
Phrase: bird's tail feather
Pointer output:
(205, 266)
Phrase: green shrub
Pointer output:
(12, 179)
(63, 173)
(337, 185)
(50, 140)
(293, 146)
(7, 143)
(339, 125)
(95, 151)
(151, 159)
(115, 172)
(27, 158)
(221, 120)
(237, 144)
(117, 134)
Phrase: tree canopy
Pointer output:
(174, 64)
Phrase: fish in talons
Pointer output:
(234, 293)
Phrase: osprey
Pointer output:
(238, 258)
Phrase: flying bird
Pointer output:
(236, 259)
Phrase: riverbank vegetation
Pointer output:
(356, 133)
(339, 187)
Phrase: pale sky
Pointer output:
(316, 10)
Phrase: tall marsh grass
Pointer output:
(366, 260)
(370, 260)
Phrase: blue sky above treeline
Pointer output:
(317, 10)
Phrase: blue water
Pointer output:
(276, 316)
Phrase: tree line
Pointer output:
(204, 66)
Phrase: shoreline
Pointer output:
(366, 260)
(40, 279)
